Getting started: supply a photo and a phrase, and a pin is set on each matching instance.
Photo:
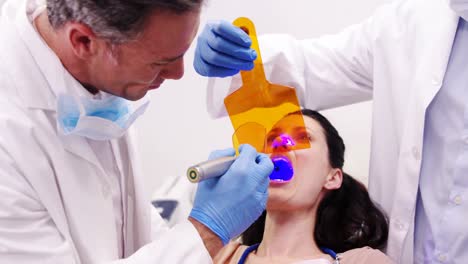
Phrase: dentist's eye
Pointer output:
(156, 65)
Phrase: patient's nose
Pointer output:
(282, 143)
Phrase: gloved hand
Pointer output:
(229, 204)
(222, 50)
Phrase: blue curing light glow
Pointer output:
(283, 171)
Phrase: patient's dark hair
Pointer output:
(346, 217)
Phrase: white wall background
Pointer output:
(177, 132)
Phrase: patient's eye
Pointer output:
(303, 136)
(271, 137)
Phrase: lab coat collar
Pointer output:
(53, 73)
(47, 77)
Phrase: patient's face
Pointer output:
(311, 167)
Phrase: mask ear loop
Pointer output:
(80, 106)
(68, 113)
(71, 93)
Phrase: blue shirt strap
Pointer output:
(247, 252)
(255, 247)
(329, 252)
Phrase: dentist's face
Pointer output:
(311, 166)
(131, 69)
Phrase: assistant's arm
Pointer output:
(329, 71)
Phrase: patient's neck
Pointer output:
(289, 234)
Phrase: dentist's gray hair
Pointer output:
(118, 21)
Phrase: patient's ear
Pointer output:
(334, 179)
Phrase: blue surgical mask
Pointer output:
(98, 119)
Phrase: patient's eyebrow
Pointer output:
(307, 130)
(275, 130)
(300, 129)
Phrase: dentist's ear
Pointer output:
(83, 41)
(334, 179)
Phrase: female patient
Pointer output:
(320, 211)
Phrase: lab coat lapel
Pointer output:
(120, 150)
(433, 56)
(80, 147)
(87, 197)
(435, 43)
(74, 193)
(81, 205)
(138, 228)
(434, 53)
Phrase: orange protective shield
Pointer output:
(259, 103)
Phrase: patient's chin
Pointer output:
(279, 199)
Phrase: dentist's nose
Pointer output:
(174, 70)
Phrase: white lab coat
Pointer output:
(398, 58)
(56, 205)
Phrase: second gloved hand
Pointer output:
(229, 204)
(222, 50)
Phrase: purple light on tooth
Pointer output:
(283, 140)
(283, 171)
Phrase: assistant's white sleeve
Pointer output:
(327, 72)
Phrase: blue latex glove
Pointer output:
(222, 50)
(229, 204)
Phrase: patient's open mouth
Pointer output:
(283, 171)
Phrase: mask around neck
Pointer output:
(98, 119)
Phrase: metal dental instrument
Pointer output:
(209, 169)
(283, 171)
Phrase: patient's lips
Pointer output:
(283, 171)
